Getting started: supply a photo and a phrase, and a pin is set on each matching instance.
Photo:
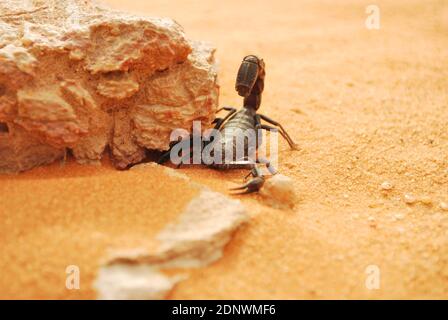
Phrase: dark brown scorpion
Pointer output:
(250, 85)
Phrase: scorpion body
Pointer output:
(240, 122)
(250, 85)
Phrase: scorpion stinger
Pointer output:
(237, 123)
(250, 81)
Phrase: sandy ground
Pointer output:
(365, 106)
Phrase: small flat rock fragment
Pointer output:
(409, 198)
(203, 229)
(426, 200)
(386, 186)
(279, 191)
(372, 222)
(399, 216)
(443, 205)
(133, 282)
(196, 240)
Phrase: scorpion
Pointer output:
(250, 85)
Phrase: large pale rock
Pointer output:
(74, 75)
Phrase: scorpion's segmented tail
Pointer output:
(247, 76)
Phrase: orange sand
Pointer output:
(364, 106)
(75, 215)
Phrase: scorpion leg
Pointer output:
(219, 121)
(230, 109)
(282, 131)
(262, 160)
(185, 157)
(258, 180)
(166, 155)
(253, 185)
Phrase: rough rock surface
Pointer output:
(77, 76)
(133, 282)
(279, 191)
(196, 240)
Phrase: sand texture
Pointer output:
(368, 109)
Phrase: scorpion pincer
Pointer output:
(250, 85)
